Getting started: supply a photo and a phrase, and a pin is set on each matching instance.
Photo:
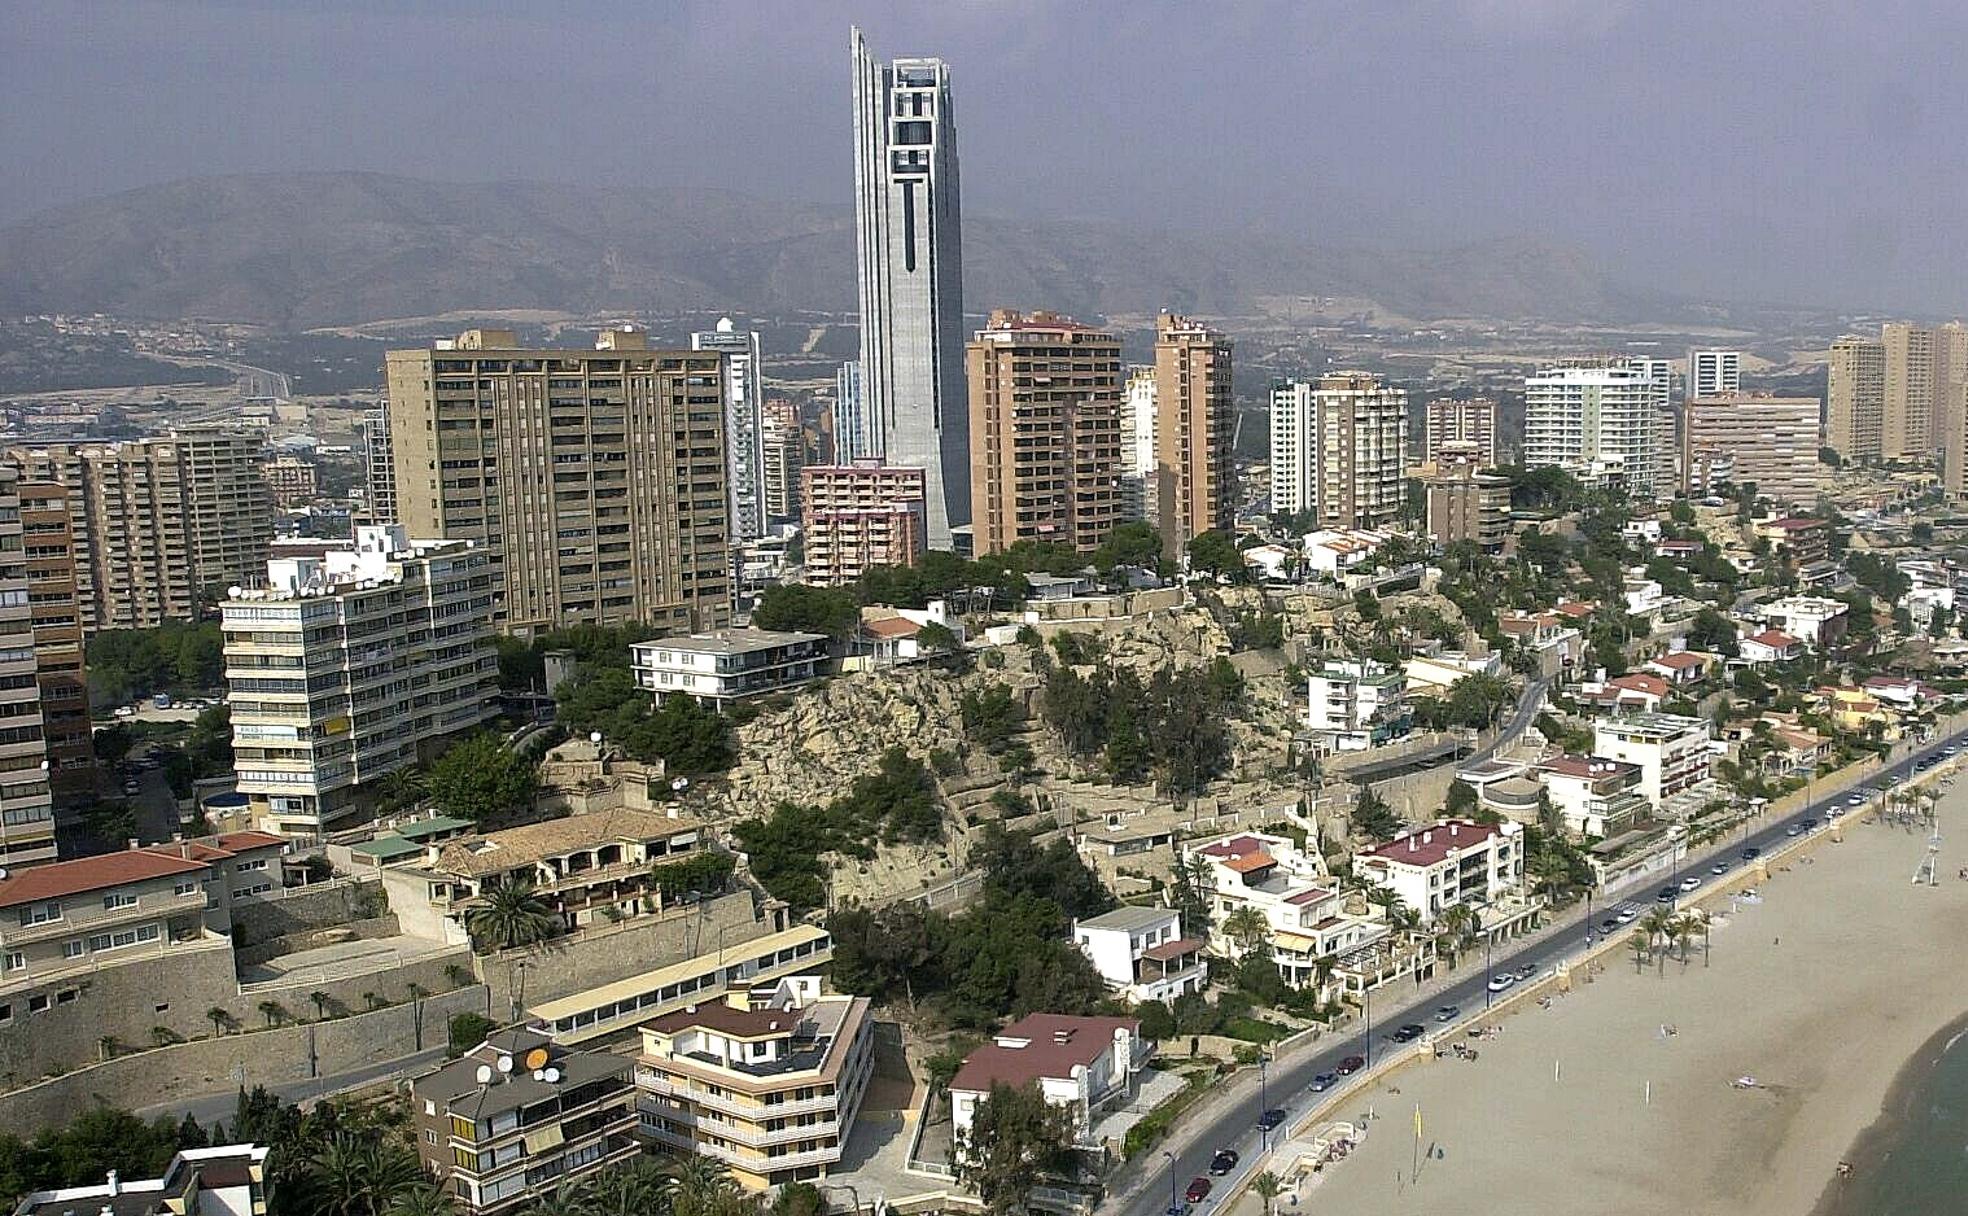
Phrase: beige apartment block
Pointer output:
(1447, 420)
(292, 481)
(1907, 416)
(1045, 432)
(858, 516)
(595, 479)
(1195, 429)
(58, 657)
(1855, 398)
(162, 524)
(1467, 504)
(27, 817)
(1771, 441)
(784, 451)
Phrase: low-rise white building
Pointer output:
(1333, 553)
(1671, 751)
(1813, 619)
(1454, 861)
(1356, 704)
(1598, 797)
(1292, 890)
(1142, 954)
(727, 664)
(1084, 1064)
(1769, 646)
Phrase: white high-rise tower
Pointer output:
(744, 396)
(1714, 373)
(908, 236)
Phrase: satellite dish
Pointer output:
(505, 1063)
(594, 736)
(536, 1059)
(539, 1074)
(3, 872)
(484, 1075)
(553, 1076)
(680, 784)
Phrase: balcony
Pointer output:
(650, 1082)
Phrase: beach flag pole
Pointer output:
(1414, 1165)
(1650, 1093)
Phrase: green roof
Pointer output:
(386, 848)
(435, 826)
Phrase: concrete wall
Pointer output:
(332, 904)
(358, 930)
(261, 1057)
(616, 952)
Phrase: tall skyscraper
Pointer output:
(744, 403)
(593, 479)
(1771, 441)
(1137, 477)
(850, 420)
(1855, 398)
(47, 521)
(1714, 373)
(27, 830)
(1339, 449)
(908, 228)
(379, 465)
(1906, 426)
(1600, 422)
(1045, 421)
(783, 443)
(1447, 420)
(1951, 405)
(1195, 430)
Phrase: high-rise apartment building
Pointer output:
(1466, 504)
(1137, 477)
(1771, 441)
(1045, 421)
(783, 446)
(1950, 382)
(850, 427)
(594, 479)
(159, 525)
(56, 614)
(27, 809)
(744, 423)
(908, 230)
(1667, 417)
(1447, 420)
(1714, 373)
(379, 466)
(860, 515)
(1339, 448)
(1600, 422)
(1195, 430)
(353, 662)
(293, 482)
(1855, 398)
(1907, 418)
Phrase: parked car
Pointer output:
(1324, 1081)
(1350, 1065)
(1501, 982)
(1751, 853)
(1527, 972)
(1720, 867)
(126, 711)
(1448, 1013)
(1665, 895)
(1223, 1162)
(1272, 1119)
(1199, 1189)
(1409, 1033)
(1691, 882)
(1795, 829)
(1626, 916)
(1609, 924)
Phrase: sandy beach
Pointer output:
(1822, 992)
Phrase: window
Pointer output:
(430, 1136)
(74, 948)
(67, 995)
(35, 1004)
(119, 899)
(164, 1008)
(185, 887)
(16, 961)
(41, 914)
(6, 1013)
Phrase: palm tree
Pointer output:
(273, 1011)
(698, 1186)
(401, 789)
(638, 1188)
(567, 1199)
(1247, 928)
(1268, 1187)
(1658, 925)
(1682, 930)
(1638, 943)
(509, 916)
(320, 1000)
(351, 1176)
(1322, 970)
(220, 1017)
(423, 1199)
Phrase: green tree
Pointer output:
(1016, 1141)
(1268, 1186)
(1215, 552)
(480, 780)
(353, 1175)
(468, 1030)
(510, 916)
(1248, 929)
(1373, 818)
(796, 606)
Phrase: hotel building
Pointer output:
(857, 516)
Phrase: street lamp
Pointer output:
(1366, 996)
(1175, 1208)
(1263, 1098)
(1489, 993)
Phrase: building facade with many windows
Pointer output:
(1601, 422)
(857, 516)
(1195, 431)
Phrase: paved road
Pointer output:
(1233, 1123)
(1526, 713)
(221, 1105)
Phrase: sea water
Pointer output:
(1922, 1168)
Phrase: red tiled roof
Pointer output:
(1427, 846)
(1057, 1042)
(1173, 950)
(1311, 896)
(1636, 682)
(1236, 846)
(1681, 660)
(239, 842)
(1775, 639)
(1575, 610)
(891, 627)
(723, 1018)
(1255, 861)
(63, 878)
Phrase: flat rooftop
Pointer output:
(732, 641)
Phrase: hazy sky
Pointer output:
(1805, 151)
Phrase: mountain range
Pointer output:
(303, 250)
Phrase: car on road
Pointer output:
(1691, 882)
(1448, 1013)
(131, 789)
(1809, 825)
(126, 711)
(1855, 800)
(1665, 895)
(1350, 1065)
(1223, 1162)
(1720, 867)
(1609, 924)
(1409, 1033)
(1272, 1119)
(1324, 1081)
(1952, 749)
(1527, 971)
(1626, 916)
(1502, 982)
(1199, 1189)
(1751, 853)
(1795, 829)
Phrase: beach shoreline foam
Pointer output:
(1875, 1146)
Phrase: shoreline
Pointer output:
(1875, 1144)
